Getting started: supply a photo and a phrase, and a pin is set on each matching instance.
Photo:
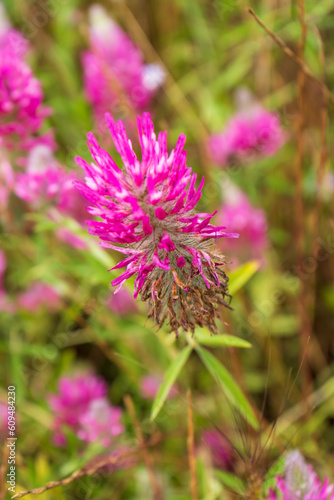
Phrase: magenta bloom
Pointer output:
(45, 181)
(147, 212)
(40, 295)
(249, 221)
(149, 387)
(221, 450)
(38, 188)
(100, 423)
(300, 482)
(114, 72)
(75, 394)
(81, 406)
(122, 303)
(250, 134)
(21, 110)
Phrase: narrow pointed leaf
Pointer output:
(233, 392)
(171, 375)
(231, 482)
(206, 338)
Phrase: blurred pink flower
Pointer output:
(114, 71)
(39, 295)
(122, 303)
(221, 450)
(42, 179)
(100, 422)
(73, 399)
(21, 96)
(38, 188)
(250, 222)
(82, 407)
(45, 180)
(67, 236)
(149, 386)
(11, 40)
(252, 133)
(301, 482)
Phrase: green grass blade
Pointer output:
(231, 388)
(170, 377)
(231, 481)
(206, 338)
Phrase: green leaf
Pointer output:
(205, 337)
(275, 470)
(170, 377)
(231, 388)
(240, 276)
(231, 481)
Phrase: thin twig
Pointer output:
(191, 449)
(319, 176)
(306, 70)
(158, 495)
(305, 326)
(90, 469)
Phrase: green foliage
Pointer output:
(210, 50)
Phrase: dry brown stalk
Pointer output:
(306, 70)
(156, 487)
(320, 171)
(305, 326)
(191, 449)
(90, 469)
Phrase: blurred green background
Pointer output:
(209, 49)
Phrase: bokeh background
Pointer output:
(217, 62)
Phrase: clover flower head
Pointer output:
(148, 213)
(300, 482)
